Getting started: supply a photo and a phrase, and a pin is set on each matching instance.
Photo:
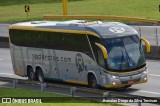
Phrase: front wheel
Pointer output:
(92, 82)
(40, 76)
(125, 87)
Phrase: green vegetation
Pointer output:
(132, 8)
(10, 92)
(15, 2)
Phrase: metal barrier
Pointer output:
(151, 33)
(100, 17)
(105, 94)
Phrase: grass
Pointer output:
(10, 92)
(15, 2)
(132, 8)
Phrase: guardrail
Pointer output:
(100, 17)
(105, 94)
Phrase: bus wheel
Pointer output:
(40, 76)
(125, 87)
(92, 82)
(30, 74)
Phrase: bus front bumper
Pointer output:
(126, 81)
(116, 85)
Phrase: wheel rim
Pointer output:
(40, 77)
(31, 75)
(93, 82)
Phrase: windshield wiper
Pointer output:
(129, 58)
(142, 56)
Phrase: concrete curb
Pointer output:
(154, 54)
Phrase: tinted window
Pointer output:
(51, 40)
(95, 48)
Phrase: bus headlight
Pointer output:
(145, 72)
(145, 78)
(115, 77)
(113, 83)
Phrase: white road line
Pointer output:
(1, 59)
(157, 93)
(6, 74)
(155, 75)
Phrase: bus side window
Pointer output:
(94, 47)
(100, 58)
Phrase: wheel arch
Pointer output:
(38, 67)
(92, 73)
(28, 67)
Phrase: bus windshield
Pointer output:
(124, 53)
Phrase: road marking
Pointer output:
(1, 59)
(6, 74)
(155, 75)
(157, 93)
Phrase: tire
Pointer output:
(125, 87)
(40, 76)
(92, 82)
(31, 74)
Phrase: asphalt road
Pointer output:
(151, 33)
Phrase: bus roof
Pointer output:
(102, 29)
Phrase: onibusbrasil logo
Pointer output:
(79, 62)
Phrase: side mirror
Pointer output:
(103, 49)
(148, 47)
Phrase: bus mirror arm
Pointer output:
(103, 49)
(148, 47)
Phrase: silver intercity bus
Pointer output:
(106, 54)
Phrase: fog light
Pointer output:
(145, 72)
(114, 76)
(113, 83)
(145, 78)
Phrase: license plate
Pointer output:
(130, 82)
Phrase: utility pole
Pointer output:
(65, 7)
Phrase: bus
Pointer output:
(91, 53)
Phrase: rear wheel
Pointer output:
(30, 74)
(40, 76)
(92, 82)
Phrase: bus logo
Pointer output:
(79, 62)
(117, 29)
